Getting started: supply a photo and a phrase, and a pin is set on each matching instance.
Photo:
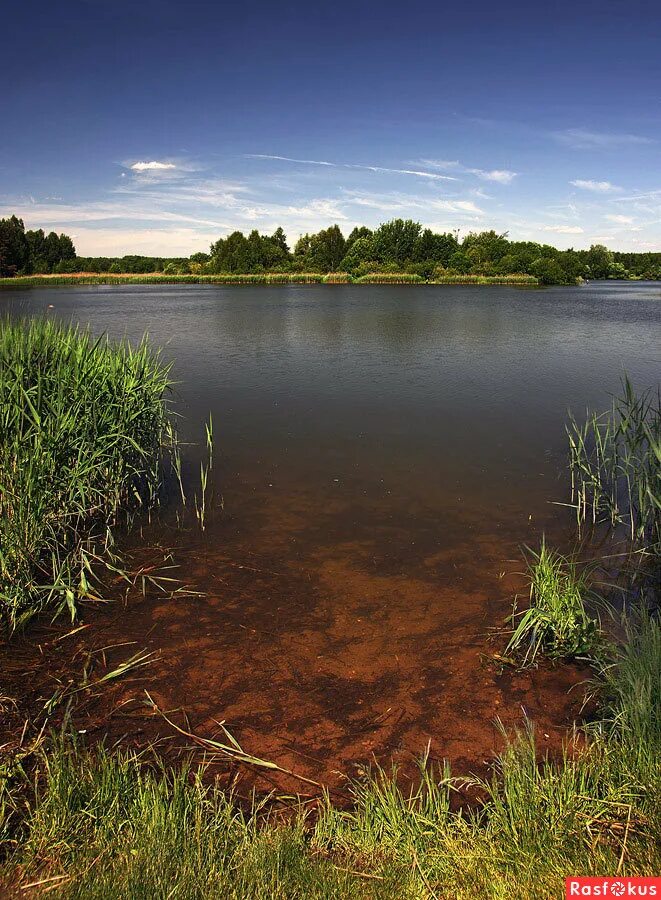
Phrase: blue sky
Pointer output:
(157, 127)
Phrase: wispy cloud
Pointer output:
(619, 220)
(412, 203)
(152, 166)
(500, 176)
(597, 187)
(434, 176)
(563, 211)
(478, 192)
(323, 209)
(646, 195)
(307, 162)
(563, 229)
(582, 139)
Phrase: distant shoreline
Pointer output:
(269, 279)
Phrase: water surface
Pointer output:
(382, 453)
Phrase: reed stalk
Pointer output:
(84, 427)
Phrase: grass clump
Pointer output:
(615, 463)
(82, 424)
(108, 825)
(556, 622)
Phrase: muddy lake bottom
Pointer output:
(380, 460)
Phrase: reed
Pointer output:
(390, 278)
(556, 621)
(488, 279)
(337, 278)
(615, 465)
(271, 278)
(84, 426)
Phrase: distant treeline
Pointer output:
(28, 252)
(399, 246)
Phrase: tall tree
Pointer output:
(600, 260)
(394, 241)
(14, 249)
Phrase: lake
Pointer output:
(382, 453)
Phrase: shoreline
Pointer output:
(271, 280)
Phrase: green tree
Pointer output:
(460, 262)
(279, 240)
(14, 249)
(436, 247)
(549, 271)
(599, 259)
(326, 250)
(485, 249)
(358, 232)
(394, 242)
(360, 252)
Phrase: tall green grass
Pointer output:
(488, 279)
(390, 278)
(556, 622)
(615, 463)
(82, 426)
(337, 278)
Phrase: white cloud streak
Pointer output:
(619, 220)
(152, 166)
(597, 187)
(410, 203)
(378, 169)
(564, 229)
(500, 176)
(582, 139)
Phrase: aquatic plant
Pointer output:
(83, 424)
(556, 621)
(390, 278)
(205, 469)
(261, 278)
(337, 278)
(110, 279)
(615, 464)
(488, 279)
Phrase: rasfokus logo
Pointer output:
(612, 887)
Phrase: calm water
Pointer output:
(383, 452)
(441, 396)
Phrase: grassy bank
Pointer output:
(82, 425)
(108, 825)
(267, 278)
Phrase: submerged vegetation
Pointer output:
(111, 824)
(82, 426)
